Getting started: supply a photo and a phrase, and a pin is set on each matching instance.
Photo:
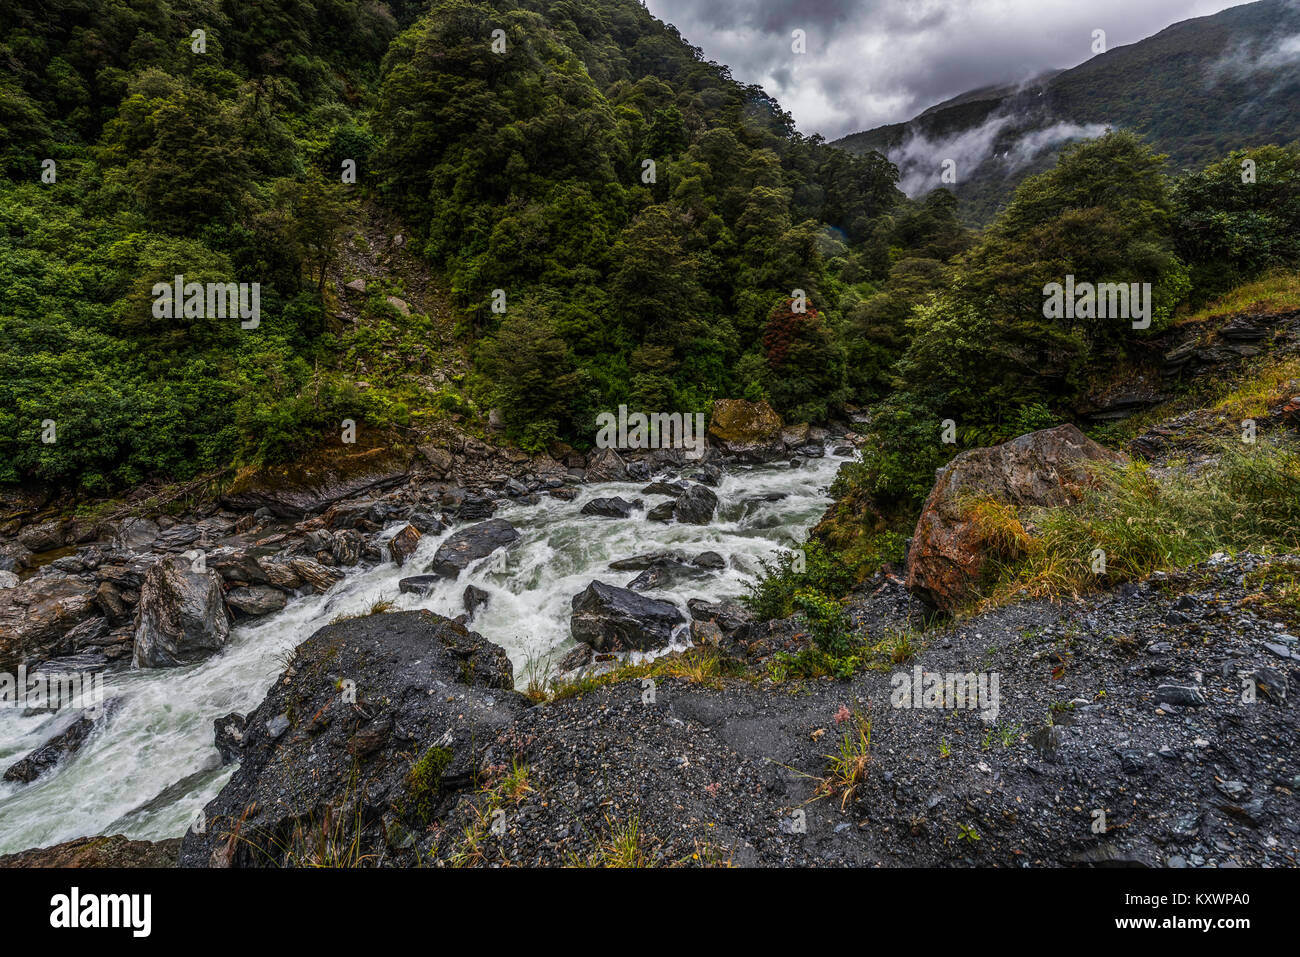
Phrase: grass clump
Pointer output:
(1249, 500)
(848, 766)
(1275, 588)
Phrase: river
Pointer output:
(149, 769)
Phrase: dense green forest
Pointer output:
(641, 222)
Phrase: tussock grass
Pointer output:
(1276, 292)
(1248, 501)
(701, 666)
(848, 767)
(1265, 388)
(625, 847)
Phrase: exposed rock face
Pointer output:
(181, 617)
(746, 431)
(470, 544)
(607, 466)
(317, 481)
(114, 851)
(1044, 468)
(618, 619)
(37, 615)
(695, 506)
(228, 736)
(375, 726)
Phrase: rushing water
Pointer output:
(148, 769)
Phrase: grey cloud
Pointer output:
(871, 62)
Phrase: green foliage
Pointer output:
(1232, 230)
(1249, 500)
(811, 569)
(424, 786)
(523, 171)
(827, 621)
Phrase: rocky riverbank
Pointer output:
(135, 594)
(1155, 726)
(1151, 725)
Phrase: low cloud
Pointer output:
(920, 160)
(871, 62)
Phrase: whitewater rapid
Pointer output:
(152, 766)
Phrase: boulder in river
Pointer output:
(377, 726)
(181, 617)
(618, 619)
(70, 733)
(419, 584)
(616, 507)
(474, 599)
(1041, 469)
(470, 544)
(256, 600)
(606, 466)
(403, 545)
(695, 506)
(672, 489)
(746, 431)
(637, 563)
(662, 512)
(658, 576)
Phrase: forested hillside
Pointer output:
(617, 221)
(524, 170)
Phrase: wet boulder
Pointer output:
(419, 584)
(474, 599)
(403, 545)
(181, 617)
(609, 618)
(606, 466)
(1042, 469)
(615, 507)
(695, 506)
(253, 601)
(470, 544)
(378, 725)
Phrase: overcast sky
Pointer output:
(871, 62)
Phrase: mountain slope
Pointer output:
(1196, 91)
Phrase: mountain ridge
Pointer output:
(1245, 58)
